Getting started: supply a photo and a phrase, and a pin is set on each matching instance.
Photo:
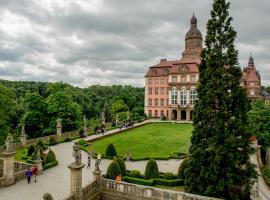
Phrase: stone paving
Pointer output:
(57, 180)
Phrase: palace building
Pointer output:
(170, 86)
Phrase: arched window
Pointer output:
(183, 97)
(174, 96)
(193, 96)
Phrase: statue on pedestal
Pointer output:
(77, 154)
(8, 143)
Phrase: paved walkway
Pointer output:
(57, 180)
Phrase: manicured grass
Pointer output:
(156, 139)
(20, 153)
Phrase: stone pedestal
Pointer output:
(76, 180)
(23, 139)
(59, 128)
(188, 115)
(38, 163)
(97, 174)
(8, 167)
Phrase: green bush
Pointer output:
(139, 181)
(82, 142)
(50, 158)
(40, 144)
(113, 170)
(151, 170)
(50, 165)
(111, 151)
(180, 173)
(168, 176)
(31, 150)
(175, 182)
(160, 157)
(67, 140)
(122, 165)
(135, 174)
(35, 153)
(266, 175)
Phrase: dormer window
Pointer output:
(154, 72)
(165, 71)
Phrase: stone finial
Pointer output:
(77, 154)
(23, 131)
(47, 196)
(8, 143)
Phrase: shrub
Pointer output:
(52, 140)
(40, 144)
(135, 174)
(113, 170)
(111, 151)
(31, 150)
(50, 165)
(151, 170)
(168, 176)
(139, 181)
(122, 165)
(175, 182)
(50, 158)
(82, 142)
(67, 140)
(180, 173)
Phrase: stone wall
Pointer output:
(1, 168)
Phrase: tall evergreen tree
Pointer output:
(219, 162)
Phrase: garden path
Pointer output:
(57, 179)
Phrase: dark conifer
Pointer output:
(219, 162)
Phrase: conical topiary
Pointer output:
(122, 165)
(151, 170)
(50, 157)
(111, 151)
(113, 170)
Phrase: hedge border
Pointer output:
(152, 182)
(50, 165)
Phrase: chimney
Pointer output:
(163, 60)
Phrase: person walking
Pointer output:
(35, 172)
(89, 162)
(28, 174)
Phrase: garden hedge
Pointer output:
(50, 158)
(110, 150)
(139, 181)
(152, 182)
(122, 165)
(50, 165)
(113, 170)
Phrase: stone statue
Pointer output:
(38, 155)
(23, 130)
(103, 120)
(77, 154)
(8, 142)
(59, 122)
(47, 196)
(97, 165)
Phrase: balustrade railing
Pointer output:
(20, 166)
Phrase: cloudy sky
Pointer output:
(85, 42)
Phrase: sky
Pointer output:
(108, 42)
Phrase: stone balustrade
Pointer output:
(20, 166)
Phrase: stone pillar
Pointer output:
(103, 120)
(59, 127)
(117, 119)
(188, 115)
(38, 162)
(76, 174)
(8, 165)
(23, 139)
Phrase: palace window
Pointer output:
(156, 102)
(156, 81)
(162, 90)
(167, 102)
(156, 113)
(193, 78)
(156, 90)
(174, 79)
(183, 97)
(162, 81)
(150, 102)
(162, 102)
(165, 71)
(149, 81)
(252, 93)
(174, 96)
(183, 79)
(192, 96)
(150, 90)
(150, 113)
(162, 113)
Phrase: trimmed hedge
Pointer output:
(122, 165)
(110, 150)
(151, 170)
(135, 174)
(50, 158)
(175, 182)
(113, 170)
(139, 181)
(169, 176)
(50, 165)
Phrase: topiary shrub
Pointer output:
(180, 173)
(111, 151)
(40, 144)
(122, 165)
(50, 157)
(113, 170)
(31, 150)
(151, 170)
(135, 174)
(168, 176)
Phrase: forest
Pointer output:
(37, 106)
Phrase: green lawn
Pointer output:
(156, 139)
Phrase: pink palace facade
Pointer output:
(170, 86)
